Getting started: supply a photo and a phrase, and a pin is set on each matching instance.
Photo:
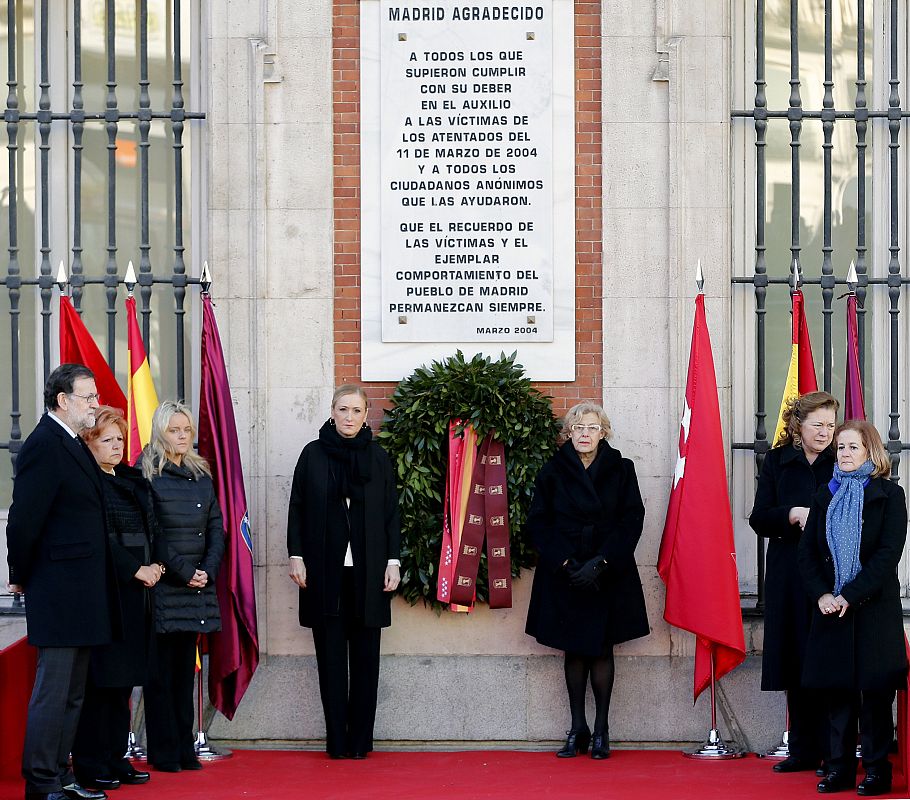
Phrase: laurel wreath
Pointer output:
(492, 396)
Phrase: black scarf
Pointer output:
(349, 459)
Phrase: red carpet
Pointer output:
(17, 675)
(627, 775)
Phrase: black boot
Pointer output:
(577, 742)
(600, 746)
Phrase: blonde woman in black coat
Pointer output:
(585, 521)
(343, 549)
(192, 535)
(848, 558)
(791, 474)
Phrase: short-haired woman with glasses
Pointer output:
(585, 521)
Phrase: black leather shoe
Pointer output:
(577, 742)
(104, 784)
(835, 782)
(190, 763)
(358, 755)
(43, 796)
(600, 747)
(822, 770)
(77, 792)
(873, 785)
(134, 777)
(794, 764)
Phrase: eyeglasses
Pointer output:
(588, 428)
(89, 398)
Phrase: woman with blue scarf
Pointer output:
(848, 558)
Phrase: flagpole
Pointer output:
(714, 748)
(204, 750)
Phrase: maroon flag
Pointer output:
(78, 347)
(697, 560)
(234, 650)
(854, 408)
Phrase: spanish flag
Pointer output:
(801, 373)
(140, 391)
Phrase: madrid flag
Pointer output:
(234, 650)
(697, 556)
(801, 372)
(78, 347)
(142, 400)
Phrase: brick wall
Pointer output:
(588, 211)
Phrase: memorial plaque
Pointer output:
(467, 175)
(467, 142)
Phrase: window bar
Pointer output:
(77, 115)
(145, 124)
(827, 276)
(45, 281)
(111, 118)
(13, 277)
(180, 282)
(861, 114)
(795, 116)
(894, 269)
(760, 280)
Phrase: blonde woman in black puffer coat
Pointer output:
(186, 605)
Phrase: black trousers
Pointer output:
(808, 724)
(876, 730)
(103, 732)
(169, 708)
(53, 715)
(347, 656)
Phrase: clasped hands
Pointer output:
(585, 575)
(149, 575)
(828, 604)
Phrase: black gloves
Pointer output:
(585, 576)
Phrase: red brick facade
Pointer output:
(588, 208)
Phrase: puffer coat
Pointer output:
(192, 534)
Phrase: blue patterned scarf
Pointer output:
(843, 522)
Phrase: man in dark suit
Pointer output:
(57, 553)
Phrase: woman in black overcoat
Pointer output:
(848, 558)
(585, 521)
(191, 531)
(343, 549)
(104, 725)
(801, 461)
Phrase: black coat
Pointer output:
(133, 540)
(865, 648)
(57, 542)
(309, 536)
(192, 537)
(786, 480)
(578, 513)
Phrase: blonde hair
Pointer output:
(798, 409)
(574, 414)
(155, 454)
(350, 388)
(872, 441)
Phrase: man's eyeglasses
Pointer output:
(89, 398)
(589, 428)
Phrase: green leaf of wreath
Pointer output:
(494, 396)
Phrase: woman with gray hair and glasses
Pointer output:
(585, 521)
